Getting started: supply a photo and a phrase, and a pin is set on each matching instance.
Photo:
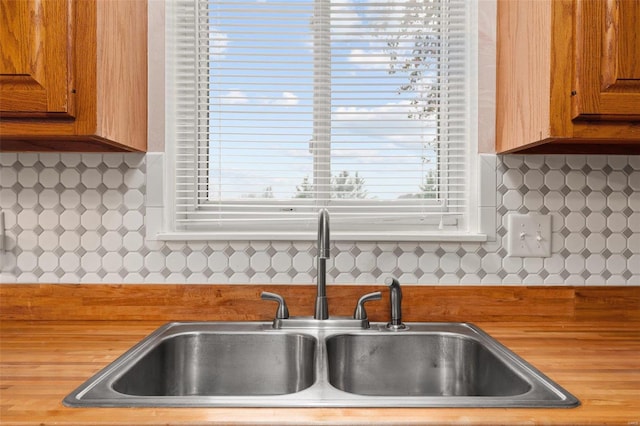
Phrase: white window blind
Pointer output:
(279, 108)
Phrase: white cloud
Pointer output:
(287, 99)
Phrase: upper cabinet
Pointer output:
(568, 78)
(73, 75)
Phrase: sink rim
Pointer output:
(98, 391)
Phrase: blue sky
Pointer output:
(263, 99)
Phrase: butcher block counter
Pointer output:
(54, 337)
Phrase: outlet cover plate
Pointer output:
(529, 235)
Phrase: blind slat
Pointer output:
(292, 105)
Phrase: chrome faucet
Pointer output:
(322, 310)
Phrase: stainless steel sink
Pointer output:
(205, 363)
(242, 364)
(447, 365)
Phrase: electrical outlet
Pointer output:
(529, 235)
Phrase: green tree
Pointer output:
(419, 64)
(305, 189)
(267, 193)
(345, 186)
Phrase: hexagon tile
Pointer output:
(80, 218)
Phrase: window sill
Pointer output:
(308, 236)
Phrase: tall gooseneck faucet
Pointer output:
(324, 252)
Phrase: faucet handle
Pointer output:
(360, 313)
(283, 311)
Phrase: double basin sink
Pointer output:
(251, 364)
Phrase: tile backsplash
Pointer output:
(81, 218)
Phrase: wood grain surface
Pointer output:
(42, 361)
(585, 338)
(169, 302)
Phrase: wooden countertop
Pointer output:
(598, 360)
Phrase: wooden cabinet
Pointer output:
(73, 75)
(568, 77)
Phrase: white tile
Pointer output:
(596, 180)
(616, 222)
(112, 199)
(554, 180)
(470, 263)
(176, 261)
(575, 180)
(90, 241)
(48, 240)
(554, 264)
(112, 263)
(70, 199)
(554, 201)
(616, 264)
(112, 241)
(112, 178)
(8, 198)
(595, 242)
(27, 177)
(491, 263)
(239, 261)
(533, 200)
(133, 241)
(112, 160)
(575, 201)
(27, 261)
(27, 240)
(261, 261)
(450, 263)
(70, 219)
(112, 220)
(302, 262)
(533, 265)
(71, 159)
(48, 262)
(91, 178)
(27, 198)
(154, 262)
(617, 201)
(70, 262)
(576, 161)
(595, 264)
(8, 176)
(27, 219)
(91, 159)
(616, 243)
(407, 262)
(513, 179)
(512, 200)
(280, 262)
(575, 243)
(133, 261)
(617, 162)
(575, 222)
(196, 262)
(90, 199)
(70, 178)
(596, 222)
(575, 264)
(91, 220)
(387, 261)
(69, 241)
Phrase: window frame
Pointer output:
(404, 233)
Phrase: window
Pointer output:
(280, 107)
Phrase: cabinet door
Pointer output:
(35, 70)
(607, 59)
